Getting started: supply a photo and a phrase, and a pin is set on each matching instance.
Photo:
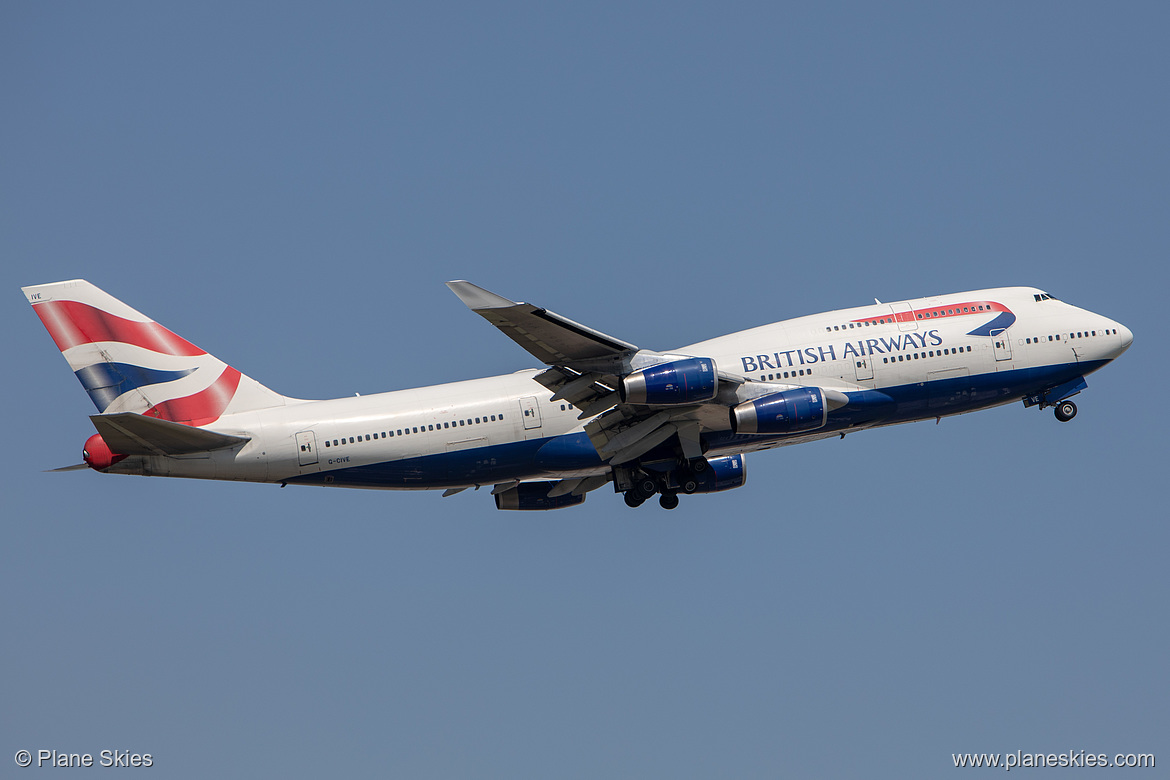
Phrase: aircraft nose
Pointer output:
(1126, 336)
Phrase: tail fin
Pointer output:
(127, 362)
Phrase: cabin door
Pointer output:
(1002, 344)
(530, 412)
(307, 448)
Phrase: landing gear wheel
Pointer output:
(633, 501)
(1065, 411)
(668, 500)
(646, 487)
(699, 465)
(689, 484)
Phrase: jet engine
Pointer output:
(725, 473)
(534, 495)
(688, 381)
(789, 411)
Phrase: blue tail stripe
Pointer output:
(106, 381)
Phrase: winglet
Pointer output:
(476, 298)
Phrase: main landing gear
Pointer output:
(683, 478)
(1065, 411)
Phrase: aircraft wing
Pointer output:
(586, 369)
(549, 337)
(127, 433)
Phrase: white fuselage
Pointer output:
(928, 355)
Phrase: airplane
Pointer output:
(601, 412)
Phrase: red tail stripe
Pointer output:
(203, 407)
(71, 323)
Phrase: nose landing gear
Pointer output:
(1065, 411)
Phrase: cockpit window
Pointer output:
(1045, 297)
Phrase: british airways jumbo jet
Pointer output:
(603, 411)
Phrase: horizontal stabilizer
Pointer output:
(127, 433)
(74, 467)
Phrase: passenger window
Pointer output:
(326, 442)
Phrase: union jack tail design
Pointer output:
(127, 362)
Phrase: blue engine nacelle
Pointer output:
(724, 473)
(534, 495)
(790, 411)
(688, 381)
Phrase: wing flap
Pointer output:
(127, 433)
(577, 486)
(583, 390)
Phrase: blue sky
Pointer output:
(289, 185)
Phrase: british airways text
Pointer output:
(809, 355)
